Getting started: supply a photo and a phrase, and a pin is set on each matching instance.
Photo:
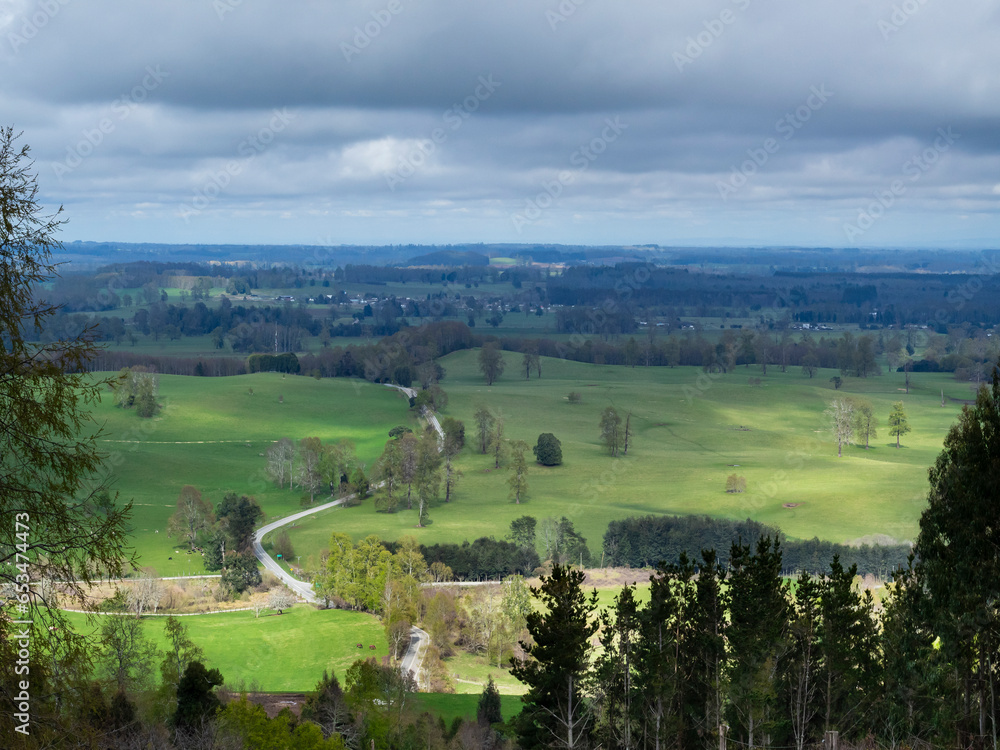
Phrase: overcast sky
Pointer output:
(828, 122)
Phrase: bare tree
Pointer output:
(144, 593)
(841, 416)
(280, 457)
(309, 475)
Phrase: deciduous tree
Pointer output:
(498, 444)
(454, 439)
(309, 474)
(548, 450)
(193, 516)
(428, 474)
(898, 424)
(865, 421)
(612, 434)
(841, 416)
(518, 480)
(388, 474)
(280, 458)
(491, 362)
(126, 654)
(484, 426)
(281, 599)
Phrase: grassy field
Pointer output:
(211, 434)
(453, 706)
(275, 653)
(691, 431)
(469, 674)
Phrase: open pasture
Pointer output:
(691, 431)
(211, 433)
(273, 653)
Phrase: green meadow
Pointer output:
(273, 653)
(451, 706)
(691, 431)
(211, 433)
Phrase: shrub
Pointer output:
(574, 397)
(548, 450)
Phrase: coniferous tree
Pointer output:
(916, 696)
(708, 647)
(663, 664)
(548, 450)
(958, 562)
(757, 635)
(801, 676)
(488, 710)
(328, 708)
(556, 711)
(55, 507)
(196, 698)
(847, 640)
(618, 722)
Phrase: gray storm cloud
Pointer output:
(138, 111)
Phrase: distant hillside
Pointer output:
(450, 258)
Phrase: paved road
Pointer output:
(426, 414)
(301, 588)
(413, 659)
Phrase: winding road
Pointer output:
(302, 588)
(412, 661)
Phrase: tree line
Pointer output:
(809, 297)
(644, 541)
